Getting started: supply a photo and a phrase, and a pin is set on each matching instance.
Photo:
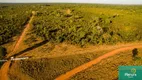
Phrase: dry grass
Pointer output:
(50, 63)
(50, 68)
(108, 69)
(17, 74)
(51, 50)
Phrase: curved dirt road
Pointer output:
(5, 67)
(4, 71)
(69, 74)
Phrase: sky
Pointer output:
(75, 1)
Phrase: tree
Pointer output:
(3, 52)
(135, 52)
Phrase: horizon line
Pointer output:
(68, 3)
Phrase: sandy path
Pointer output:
(69, 74)
(4, 71)
(5, 67)
(21, 37)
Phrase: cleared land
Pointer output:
(60, 64)
(109, 67)
(93, 62)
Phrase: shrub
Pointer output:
(2, 52)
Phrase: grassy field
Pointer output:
(108, 69)
(52, 63)
(50, 68)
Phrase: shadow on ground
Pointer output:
(31, 48)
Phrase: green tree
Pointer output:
(135, 52)
(3, 52)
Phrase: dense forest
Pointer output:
(88, 24)
(12, 20)
(74, 23)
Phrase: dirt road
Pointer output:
(21, 37)
(69, 74)
(4, 71)
(5, 67)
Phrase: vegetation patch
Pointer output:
(88, 24)
(12, 21)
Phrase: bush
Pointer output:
(2, 52)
